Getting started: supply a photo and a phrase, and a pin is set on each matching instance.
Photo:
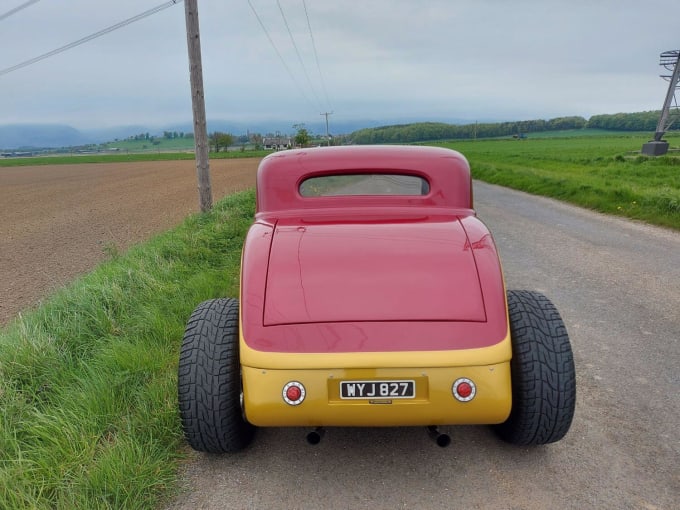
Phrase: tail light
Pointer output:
(294, 393)
(464, 389)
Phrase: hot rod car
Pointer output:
(372, 295)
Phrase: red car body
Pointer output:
(385, 270)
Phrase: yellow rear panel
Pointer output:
(433, 404)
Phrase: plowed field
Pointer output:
(57, 222)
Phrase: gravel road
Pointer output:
(617, 285)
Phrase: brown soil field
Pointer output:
(58, 222)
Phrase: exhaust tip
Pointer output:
(443, 440)
(314, 437)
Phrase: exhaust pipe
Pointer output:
(442, 440)
(314, 437)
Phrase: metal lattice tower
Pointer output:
(670, 61)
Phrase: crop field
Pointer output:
(59, 221)
(123, 157)
(88, 377)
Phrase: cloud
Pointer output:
(488, 59)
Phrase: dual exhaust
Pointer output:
(443, 440)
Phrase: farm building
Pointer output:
(277, 143)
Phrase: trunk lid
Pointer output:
(383, 271)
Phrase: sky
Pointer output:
(375, 60)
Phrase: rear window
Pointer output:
(364, 184)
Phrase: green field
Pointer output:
(157, 144)
(88, 405)
(606, 174)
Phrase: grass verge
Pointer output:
(88, 413)
(606, 174)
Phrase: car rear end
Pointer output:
(371, 295)
(380, 322)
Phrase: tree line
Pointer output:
(426, 131)
(640, 121)
(168, 135)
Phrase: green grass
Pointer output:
(162, 144)
(124, 158)
(606, 174)
(581, 133)
(88, 411)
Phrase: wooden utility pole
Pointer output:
(198, 104)
(328, 136)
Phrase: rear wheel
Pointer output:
(543, 374)
(209, 380)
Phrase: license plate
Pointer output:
(377, 389)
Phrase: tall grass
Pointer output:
(88, 413)
(606, 174)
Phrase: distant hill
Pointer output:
(24, 136)
(44, 136)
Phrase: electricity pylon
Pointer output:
(669, 60)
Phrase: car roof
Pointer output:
(280, 174)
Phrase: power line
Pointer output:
(17, 9)
(297, 52)
(316, 55)
(88, 38)
(271, 41)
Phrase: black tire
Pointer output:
(209, 380)
(542, 370)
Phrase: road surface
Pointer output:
(617, 285)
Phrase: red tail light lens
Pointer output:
(294, 393)
(464, 389)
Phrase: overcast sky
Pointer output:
(444, 60)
